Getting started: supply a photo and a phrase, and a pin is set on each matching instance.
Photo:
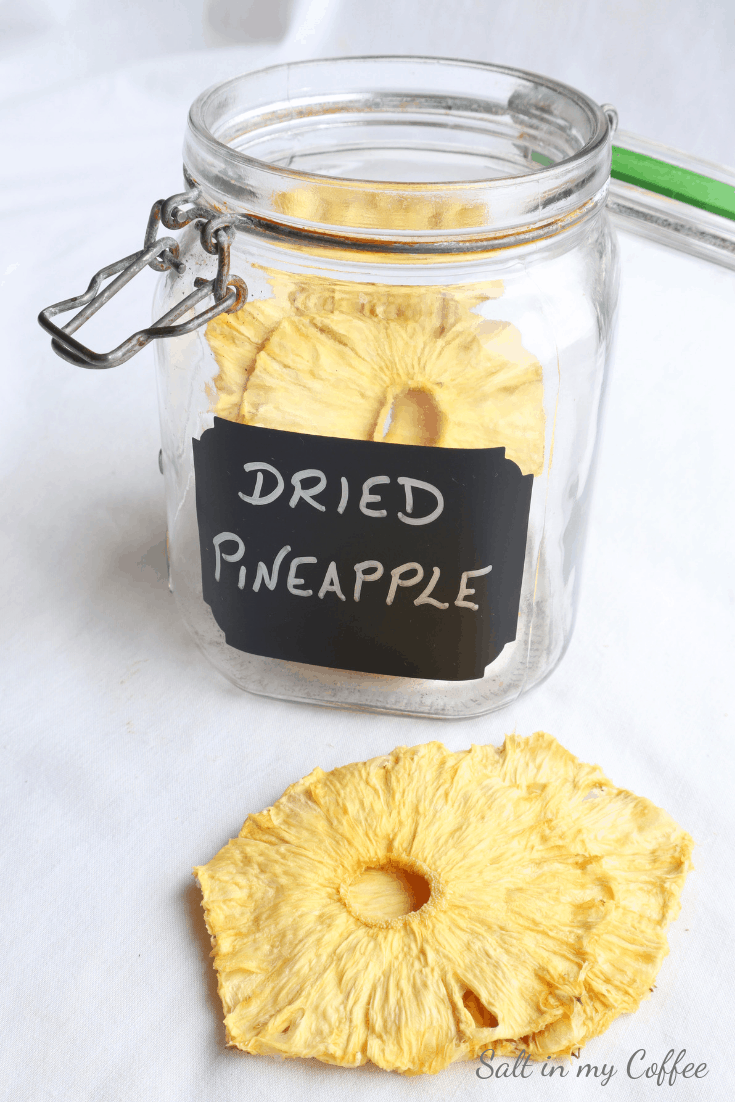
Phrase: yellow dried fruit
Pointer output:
(423, 907)
(379, 205)
(404, 365)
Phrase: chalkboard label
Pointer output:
(383, 558)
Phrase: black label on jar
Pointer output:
(384, 558)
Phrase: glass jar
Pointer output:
(378, 470)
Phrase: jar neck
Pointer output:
(531, 157)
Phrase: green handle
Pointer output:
(674, 182)
(665, 179)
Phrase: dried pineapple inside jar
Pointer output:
(400, 364)
(422, 907)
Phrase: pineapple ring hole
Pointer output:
(380, 894)
(413, 417)
(481, 1016)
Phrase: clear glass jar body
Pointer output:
(549, 277)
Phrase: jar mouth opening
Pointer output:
(398, 148)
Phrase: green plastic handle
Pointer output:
(664, 179)
(674, 182)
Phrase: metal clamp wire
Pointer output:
(216, 233)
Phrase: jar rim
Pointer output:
(469, 114)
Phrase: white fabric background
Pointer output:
(126, 759)
(667, 65)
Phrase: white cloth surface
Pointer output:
(127, 759)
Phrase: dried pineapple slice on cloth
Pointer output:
(423, 907)
(404, 365)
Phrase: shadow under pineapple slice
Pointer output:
(419, 908)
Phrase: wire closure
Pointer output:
(216, 234)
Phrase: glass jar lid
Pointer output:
(400, 152)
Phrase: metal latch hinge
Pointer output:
(216, 232)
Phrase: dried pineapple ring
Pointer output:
(404, 365)
(236, 339)
(377, 205)
(420, 908)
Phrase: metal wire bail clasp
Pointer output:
(162, 254)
